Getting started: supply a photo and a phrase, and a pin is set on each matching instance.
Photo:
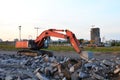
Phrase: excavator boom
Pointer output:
(56, 33)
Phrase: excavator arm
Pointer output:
(56, 33)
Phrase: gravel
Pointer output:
(62, 66)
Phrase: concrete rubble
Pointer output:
(43, 67)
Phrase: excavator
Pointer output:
(33, 47)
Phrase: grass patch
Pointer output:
(103, 49)
(6, 46)
(9, 46)
(97, 49)
(61, 48)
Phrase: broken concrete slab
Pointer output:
(44, 67)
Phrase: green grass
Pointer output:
(103, 49)
(6, 46)
(97, 49)
(61, 48)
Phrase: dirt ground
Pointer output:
(99, 55)
(71, 54)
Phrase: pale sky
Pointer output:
(75, 15)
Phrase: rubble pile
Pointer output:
(43, 67)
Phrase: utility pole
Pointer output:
(36, 31)
(20, 33)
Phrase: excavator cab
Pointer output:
(46, 42)
(32, 45)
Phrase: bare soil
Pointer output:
(99, 55)
(72, 54)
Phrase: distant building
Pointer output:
(95, 35)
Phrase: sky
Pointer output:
(75, 15)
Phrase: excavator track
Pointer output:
(34, 53)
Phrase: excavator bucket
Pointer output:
(86, 55)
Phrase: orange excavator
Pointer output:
(33, 46)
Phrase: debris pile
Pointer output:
(43, 67)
